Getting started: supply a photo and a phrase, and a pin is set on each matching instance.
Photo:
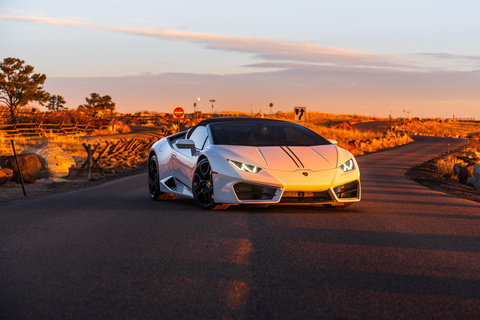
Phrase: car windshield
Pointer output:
(262, 134)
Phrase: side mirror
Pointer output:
(333, 141)
(186, 144)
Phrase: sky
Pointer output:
(369, 57)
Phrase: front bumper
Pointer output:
(321, 187)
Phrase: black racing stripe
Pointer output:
(290, 156)
(295, 156)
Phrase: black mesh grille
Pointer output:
(247, 191)
(348, 190)
(305, 197)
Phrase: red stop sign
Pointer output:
(178, 112)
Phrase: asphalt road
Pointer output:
(109, 252)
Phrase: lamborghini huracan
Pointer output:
(229, 161)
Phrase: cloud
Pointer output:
(264, 49)
(450, 56)
(450, 61)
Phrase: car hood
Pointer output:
(284, 158)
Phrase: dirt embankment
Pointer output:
(427, 174)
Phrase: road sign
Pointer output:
(178, 112)
(300, 113)
(271, 105)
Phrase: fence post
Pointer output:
(18, 167)
(89, 161)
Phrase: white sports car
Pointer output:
(228, 161)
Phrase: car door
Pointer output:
(188, 161)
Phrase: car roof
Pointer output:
(235, 119)
(206, 122)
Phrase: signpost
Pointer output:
(300, 113)
(178, 113)
(271, 108)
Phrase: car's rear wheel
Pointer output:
(202, 187)
(154, 181)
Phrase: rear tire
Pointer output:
(154, 181)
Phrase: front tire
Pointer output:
(154, 181)
(202, 187)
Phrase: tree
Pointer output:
(97, 103)
(56, 103)
(19, 85)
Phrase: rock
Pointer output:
(56, 163)
(464, 173)
(5, 175)
(29, 166)
(471, 182)
(476, 171)
(456, 168)
(476, 177)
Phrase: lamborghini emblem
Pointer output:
(305, 174)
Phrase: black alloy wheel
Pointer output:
(154, 181)
(202, 187)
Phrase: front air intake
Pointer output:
(248, 191)
(349, 190)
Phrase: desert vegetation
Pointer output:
(463, 165)
(437, 127)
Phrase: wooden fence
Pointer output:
(44, 129)
(107, 157)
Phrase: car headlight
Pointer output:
(244, 167)
(347, 166)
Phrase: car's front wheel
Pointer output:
(202, 187)
(154, 181)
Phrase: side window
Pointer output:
(199, 136)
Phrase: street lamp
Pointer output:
(212, 101)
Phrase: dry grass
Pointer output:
(454, 129)
(326, 125)
(326, 119)
(70, 144)
(445, 164)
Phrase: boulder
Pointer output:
(56, 163)
(29, 166)
(5, 175)
(456, 168)
(465, 173)
(476, 176)
(471, 182)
